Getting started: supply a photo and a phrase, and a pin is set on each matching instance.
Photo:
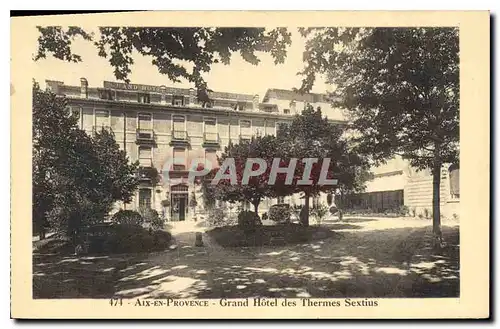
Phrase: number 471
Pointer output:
(116, 302)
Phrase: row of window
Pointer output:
(145, 121)
(180, 161)
(177, 100)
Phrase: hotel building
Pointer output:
(166, 128)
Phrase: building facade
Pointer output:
(165, 129)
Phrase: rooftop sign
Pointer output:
(129, 86)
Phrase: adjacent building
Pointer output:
(396, 183)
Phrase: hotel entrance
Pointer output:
(179, 201)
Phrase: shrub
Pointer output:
(280, 213)
(127, 217)
(272, 235)
(151, 218)
(193, 203)
(216, 217)
(319, 212)
(295, 209)
(265, 216)
(403, 210)
(122, 238)
(427, 213)
(413, 212)
(248, 221)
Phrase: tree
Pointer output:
(400, 87)
(76, 177)
(257, 187)
(311, 135)
(208, 195)
(50, 118)
(193, 203)
(118, 178)
(169, 48)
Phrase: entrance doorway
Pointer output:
(179, 200)
(145, 197)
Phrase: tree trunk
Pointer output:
(340, 206)
(436, 208)
(256, 203)
(305, 217)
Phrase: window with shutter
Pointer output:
(211, 157)
(145, 121)
(246, 129)
(210, 127)
(179, 127)
(179, 159)
(269, 129)
(145, 156)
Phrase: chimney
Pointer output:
(163, 90)
(256, 102)
(84, 93)
(192, 97)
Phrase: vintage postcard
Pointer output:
(257, 165)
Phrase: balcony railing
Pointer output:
(145, 135)
(211, 139)
(178, 167)
(179, 137)
(146, 171)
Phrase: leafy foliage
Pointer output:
(193, 203)
(122, 238)
(257, 188)
(152, 218)
(127, 217)
(400, 87)
(311, 135)
(217, 217)
(320, 211)
(248, 221)
(179, 53)
(280, 213)
(208, 195)
(150, 173)
(76, 177)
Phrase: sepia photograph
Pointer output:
(245, 166)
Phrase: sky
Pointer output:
(237, 77)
